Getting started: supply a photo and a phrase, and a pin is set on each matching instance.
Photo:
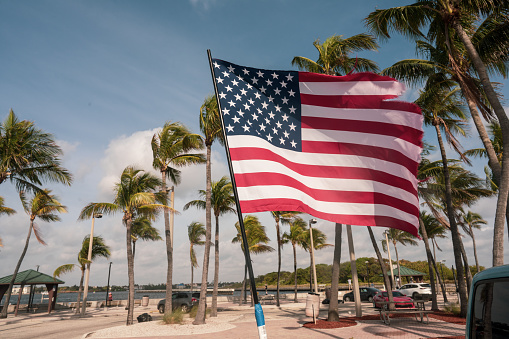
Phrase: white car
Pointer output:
(416, 289)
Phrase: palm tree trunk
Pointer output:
(434, 303)
(475, 250)
(397, 261)
(213, 313)
(498, 228)
(11, 283)
(134, 248)
(168, 309)
(130, 274)
(278, 261)
(468, 274)
(192, 276)
(382, 266)
(454, 228)
(80, 289)
(333, 301)
(295, 271)
(243, 291)
(441, 279)
(200, 315)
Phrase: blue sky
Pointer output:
(103, 76)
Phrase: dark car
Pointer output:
(367, 294)
(183, 300)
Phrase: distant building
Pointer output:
(15, 290)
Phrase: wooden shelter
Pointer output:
(31, 278)
(410, 274)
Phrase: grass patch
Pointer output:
(453, 308)
(176, 317)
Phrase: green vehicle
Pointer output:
(488, 305)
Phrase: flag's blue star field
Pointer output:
(260, 102)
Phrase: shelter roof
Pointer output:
(30, 277)
(405, 271)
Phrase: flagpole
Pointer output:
(260, 320)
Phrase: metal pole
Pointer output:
(312, 250)
(356, 292)
(260, 319)
(87, 273)
(390, 261)
(108, 286)
(367, 270)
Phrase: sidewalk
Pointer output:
(233, 321)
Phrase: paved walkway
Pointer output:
(283, 322)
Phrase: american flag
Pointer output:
(334, 147)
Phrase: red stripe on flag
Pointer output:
(263, 205)
(332, 195)
(371, 127)
(358, 101)
(381, 153)
(341, 172)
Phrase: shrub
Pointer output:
(176, 317)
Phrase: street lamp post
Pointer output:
(87, 273)
(312, 251)
(108, 286)
(367, 270)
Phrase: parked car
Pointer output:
(183, 300)
(367, 294)
(487, 304)
(402, 301)
(416, 290)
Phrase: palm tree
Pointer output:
(441, 109)
(257, 241)
(173, 147)
(382, 266)
(135, 195)
(29, 156)
(469, 221)
(296, 236)
(444, 18)
(99, 249)
(223, 202)
(285, 218)
(334, 58)
(142, 228)
(333, 301)
(196, 232)
(334, 55)
(431, 228)
(43, 206)
(5, 210)
(398, 236)
(210, 126)
(319, 242)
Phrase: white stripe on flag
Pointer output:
(391, 88)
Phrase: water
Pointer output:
(99, 296)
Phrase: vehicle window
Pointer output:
(490, 310)
(196, 295)
(403, 287)
(397, 294)
(363, 290)
(182, 295)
